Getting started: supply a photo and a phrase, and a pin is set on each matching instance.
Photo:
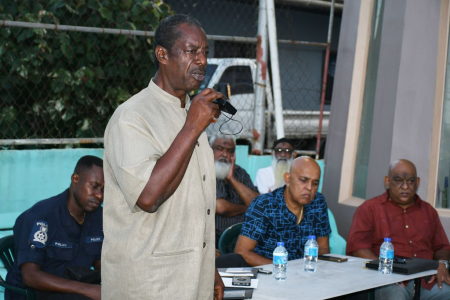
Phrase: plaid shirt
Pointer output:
(268, 221)
(226, 191)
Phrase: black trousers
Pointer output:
(231, 260)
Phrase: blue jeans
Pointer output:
(398, 292)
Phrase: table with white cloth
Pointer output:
(331, 279)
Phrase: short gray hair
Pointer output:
(224, 135)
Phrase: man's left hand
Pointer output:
(442, 276)
(218, 287)
(230, 175)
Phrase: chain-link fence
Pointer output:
(60, 84)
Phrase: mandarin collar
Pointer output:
(166, 97)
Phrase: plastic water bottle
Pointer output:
(386, 257)
(280, 257)
(310, 255)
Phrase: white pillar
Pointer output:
(272, 28)
(261, 79)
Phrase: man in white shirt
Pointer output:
(272, 177)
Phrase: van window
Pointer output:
(210, 69)
(239, 78)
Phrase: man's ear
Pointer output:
(287, 178)
(161, 54)
(294, 154)
(75, 178)
(386, 182)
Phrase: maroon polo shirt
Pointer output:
(415, 231)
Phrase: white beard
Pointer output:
(222, 169)
(280, 167)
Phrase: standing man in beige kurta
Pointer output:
(160, 181)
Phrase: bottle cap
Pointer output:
(387, 239)
(311, 237)
(280, 244)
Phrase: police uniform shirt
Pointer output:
(47, 235)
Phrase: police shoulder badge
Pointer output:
(39, 234)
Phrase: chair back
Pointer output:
(7, 257)
(7, 251)
(337, 242)
(228, 239)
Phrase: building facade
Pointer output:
(391, 100)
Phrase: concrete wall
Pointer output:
(338, 116)
(404, 99)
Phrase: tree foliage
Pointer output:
(61, 84)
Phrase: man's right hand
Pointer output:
(93, 291)
(202, 111)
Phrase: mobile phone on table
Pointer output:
(262, 271)
(241, 281)
(332, 258)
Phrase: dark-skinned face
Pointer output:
(186, 64)
(88, 188)
(402, 183)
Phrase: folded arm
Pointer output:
(245, 247)
(365, 253)
(37, 279)
(324, 246)
(228, 209)
(247, 194)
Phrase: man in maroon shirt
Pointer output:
(412, 224)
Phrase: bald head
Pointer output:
(402, 182)
(404, 162)
(302, 181)
(302, 162)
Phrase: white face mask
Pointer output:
(222, 169)
(279, 167)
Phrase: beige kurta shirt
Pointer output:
(168, 254)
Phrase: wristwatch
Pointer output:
(444, 262)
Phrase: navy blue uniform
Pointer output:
(47, 235)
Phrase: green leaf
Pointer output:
(137, 9)
(64, 38)
(24, 35)
(69, 114)
(8, 114)
(105, 13)
(67, 50)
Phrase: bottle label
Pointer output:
(279, 259)
(312, 251)
(387, 253)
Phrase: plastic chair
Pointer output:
(228, 239)
(7, 256)
(337, 242)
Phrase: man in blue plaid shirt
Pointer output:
(289, 214)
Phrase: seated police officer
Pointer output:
(58, 233)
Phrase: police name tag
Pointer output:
(62, 245)
(94, 239)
